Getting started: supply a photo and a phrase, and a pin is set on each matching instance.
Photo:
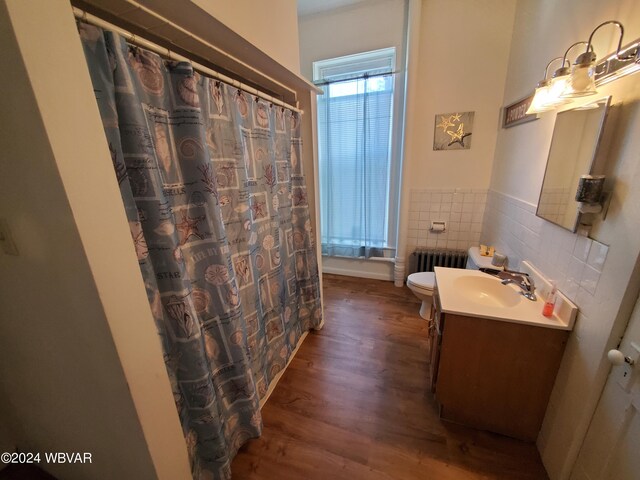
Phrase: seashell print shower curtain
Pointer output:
(217, 206)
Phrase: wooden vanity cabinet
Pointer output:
(495, 375)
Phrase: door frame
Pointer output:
(630, 298)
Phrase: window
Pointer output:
(358, 192)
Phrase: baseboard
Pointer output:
(275, 381)
(357, 273)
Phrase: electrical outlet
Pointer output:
(6, 239)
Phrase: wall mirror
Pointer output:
(574, 145)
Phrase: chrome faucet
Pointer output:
(521, 279)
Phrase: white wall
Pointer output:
(353, 29)
(81, 368)
(601, 287)
(464, 50)
(456, 73)
(540, 34)
(270, 25)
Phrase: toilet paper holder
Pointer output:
(438, 226)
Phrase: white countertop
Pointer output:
(458, 298)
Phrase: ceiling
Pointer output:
(310, 7)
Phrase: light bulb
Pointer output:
(582, 81)
(556, 89)
(540, 102)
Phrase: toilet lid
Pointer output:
(424, 280)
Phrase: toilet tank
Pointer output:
(476, 261)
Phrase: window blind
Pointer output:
(355, 118)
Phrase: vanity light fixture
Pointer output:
(582, 81)
(560, 78)
(585, 75)
(542, 100)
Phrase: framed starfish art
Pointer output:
(453, 131)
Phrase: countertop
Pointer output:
(463, 301)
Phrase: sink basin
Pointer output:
(473, 293)
(486, 291)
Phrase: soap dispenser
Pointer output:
(550, 301)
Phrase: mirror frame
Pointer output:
(590, 163)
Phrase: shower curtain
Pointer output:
(212, 183)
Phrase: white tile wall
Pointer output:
(462, 210)
(574, 261)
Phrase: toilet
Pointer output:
(476, 261)
(422, 283)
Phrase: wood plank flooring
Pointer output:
(355, 403)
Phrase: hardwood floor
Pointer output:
(355, 403)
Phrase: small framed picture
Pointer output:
(453, 131)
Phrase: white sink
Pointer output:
(487, 291)
(477, 294)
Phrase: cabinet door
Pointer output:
(497, 376)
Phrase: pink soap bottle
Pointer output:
(550, 302)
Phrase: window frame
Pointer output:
(374, 63)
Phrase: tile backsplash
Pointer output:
(461, 209)
(574, 261)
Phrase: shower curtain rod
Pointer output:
(167, 53)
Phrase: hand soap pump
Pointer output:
(550, 301)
